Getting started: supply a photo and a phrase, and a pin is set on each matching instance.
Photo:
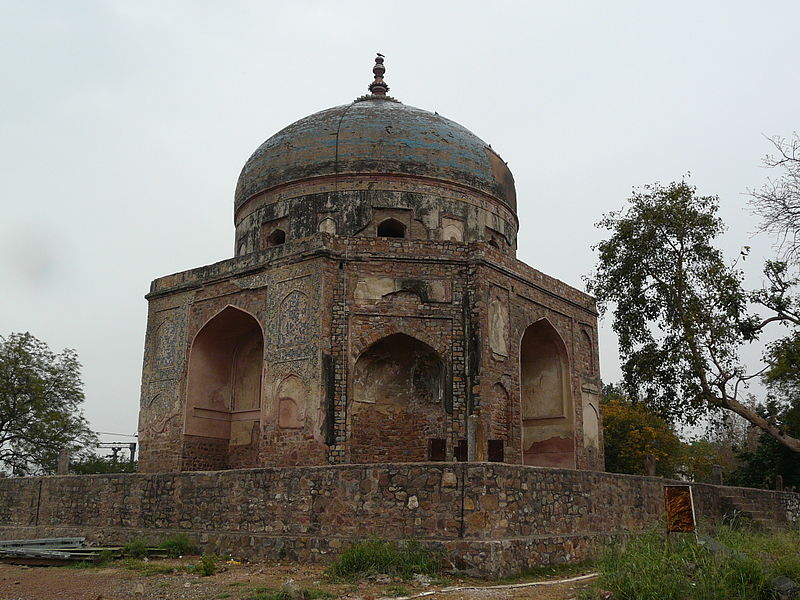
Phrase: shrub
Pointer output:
(177, 545)
(207, 565)
(135, 548)
(372, 557)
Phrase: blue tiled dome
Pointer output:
(376, 135)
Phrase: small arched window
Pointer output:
(327, 225)
(391, 228)
(276, 238)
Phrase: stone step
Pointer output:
(765, 517)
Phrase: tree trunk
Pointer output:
(740, 409)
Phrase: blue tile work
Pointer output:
(376, 136)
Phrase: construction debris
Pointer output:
(59, 551)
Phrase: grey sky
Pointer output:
(123, 127)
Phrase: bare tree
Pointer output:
(778, 201)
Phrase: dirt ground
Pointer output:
(148, 581)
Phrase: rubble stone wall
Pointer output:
(491, 518)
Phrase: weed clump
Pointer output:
(207, 565)
(372, 557)
(177, 545)
(135, 549)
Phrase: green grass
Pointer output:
(148, 568)
(373, 557)
(104, 558)
(82, 564)
(300, 594)
(646, 567)
(397, 590)
(778, 552)
(551, 572)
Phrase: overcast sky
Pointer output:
(124, 125)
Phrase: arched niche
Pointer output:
(397, 403)
(548, 437)
(223, 393)
(291, 403)
(587, 352)
(327, 225)
(452, 233)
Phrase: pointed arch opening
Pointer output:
(391, 228)
(397, 410)
(548, 437)
(223, 393)
(327, 225)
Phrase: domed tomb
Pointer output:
(374, 311)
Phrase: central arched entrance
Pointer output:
(397, 413)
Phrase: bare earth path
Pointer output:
(236, 582)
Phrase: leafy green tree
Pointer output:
(631, 431)
(760, 465)
(681, 312)
(782, 378)
(40, 405)
(93, 463)
(698, 457)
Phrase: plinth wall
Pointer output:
(492, 519)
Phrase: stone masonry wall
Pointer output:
(491, 518)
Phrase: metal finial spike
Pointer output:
(378, 87)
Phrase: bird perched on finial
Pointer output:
(378, 87)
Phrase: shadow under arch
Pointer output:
(391, 228)
(398, 401)
(223, 388)
(547, 407)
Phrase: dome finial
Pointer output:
(378, 87)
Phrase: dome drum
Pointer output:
(350, 205)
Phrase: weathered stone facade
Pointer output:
(489, 518)
(373, 307)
